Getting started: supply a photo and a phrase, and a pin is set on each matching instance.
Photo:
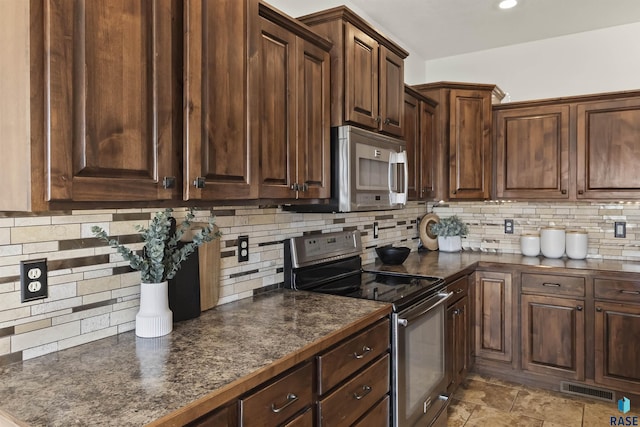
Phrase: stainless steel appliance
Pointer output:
(331, 263)
(369, 172)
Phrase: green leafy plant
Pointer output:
(451, 226)
(161, 257)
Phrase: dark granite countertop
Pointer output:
(449, 265)
(129, 381)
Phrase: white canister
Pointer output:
(530, 244)
(552, 241)
(576, 242)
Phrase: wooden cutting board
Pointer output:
(209, 261)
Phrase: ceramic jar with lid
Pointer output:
(576, 244)
(530, 244)
(552, 241)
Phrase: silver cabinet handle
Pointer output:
(630, 292)
(290, 399)
(365, 350)
(365, 390)
(551, 285)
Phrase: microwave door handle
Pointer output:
(396, 197)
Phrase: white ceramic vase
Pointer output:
(154, 319)
(450, 243)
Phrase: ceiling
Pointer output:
(440, 28)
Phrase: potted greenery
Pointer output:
(449, 231)
(158, 262)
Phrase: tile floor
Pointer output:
(484, 401)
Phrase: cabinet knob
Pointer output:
(199, 182)
(599, 309)
(387, 121)
(579, 308)
(457, 312)
(168, 182)
(580, 191)
(454, 192)
(295, 186)
(305, 187)
(378, 119)
(563, 191)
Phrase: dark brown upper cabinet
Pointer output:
(101, 125)
(419, 125)
(576, 148)
(221, 156)
(293, 69)
(532, 152)
(608, 149)
(463, 142)
(367, 75)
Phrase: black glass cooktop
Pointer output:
(399, 290)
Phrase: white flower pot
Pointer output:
(450, 243)
(154, 319)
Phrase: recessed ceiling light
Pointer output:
(507, 4)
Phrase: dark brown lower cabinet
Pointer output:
(553, 336)
(493, 315)
(617, 345)
(458, 331)
(224, 417)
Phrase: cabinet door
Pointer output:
(391, 100)
(314, 121)
(109, 96)
(608, 151)
(553, 340)
(220, 155)
(458, 331)
(361, 78)
(278, 112)
(532, 147)
(412, 138)
(427, 150)
(469, 144)
(617, 345)
(493, 315)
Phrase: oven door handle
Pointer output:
(443, 296)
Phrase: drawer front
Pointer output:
(459, 288)
(303, 420)
(277, 402)
(620, 290)
(344, 360)
(353, 399)
(553, 284)
(378, 416)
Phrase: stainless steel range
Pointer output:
(331, 263)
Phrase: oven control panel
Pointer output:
(317, 248)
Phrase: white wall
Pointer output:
(591, 62)
(413, 65)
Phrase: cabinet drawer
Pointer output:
(344, 360)
(553, 284)
(275, 403)
(350, 401)
(621, 290)
(378, 416)
(459, 288)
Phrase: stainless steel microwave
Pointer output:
(369, 173)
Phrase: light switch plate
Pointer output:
(33, 280)
(620, 230)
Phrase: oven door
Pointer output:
(419, 335)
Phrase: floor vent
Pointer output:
(587, 391)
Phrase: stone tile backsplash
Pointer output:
(94, 294)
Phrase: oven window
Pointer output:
(421, 360)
